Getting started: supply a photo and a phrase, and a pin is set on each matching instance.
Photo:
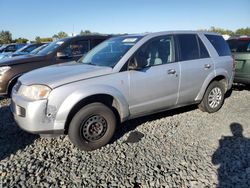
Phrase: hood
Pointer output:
(21, 59)
(56, 75)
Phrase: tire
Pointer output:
(92, 127)
(211, 105)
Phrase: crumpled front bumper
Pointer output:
(31, 116)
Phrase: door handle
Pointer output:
(207, 66)
(171, 71)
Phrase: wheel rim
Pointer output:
(94, 128)
(215, 97)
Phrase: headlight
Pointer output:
(34, 92)
(4, 69)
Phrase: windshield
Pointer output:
(51, 47)
(240, 45)
(35, 51)
(109, 52)
(27, 48)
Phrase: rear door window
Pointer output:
(219, 44)
(203, 49)
(188, 47)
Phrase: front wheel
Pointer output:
(213, 98)
(92, 127)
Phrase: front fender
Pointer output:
(75, 97)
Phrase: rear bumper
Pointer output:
(31, 116)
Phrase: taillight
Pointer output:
(234, 63)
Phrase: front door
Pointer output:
(154, 87)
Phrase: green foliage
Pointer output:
(20, 40)
(47, 39)
(38, 40)
(243, 31)
(60, 35)
(219, 30)
(5, 37)
(41, 40)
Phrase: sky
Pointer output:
(44, 18)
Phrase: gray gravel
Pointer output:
(179, 148)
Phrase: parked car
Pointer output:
(9, 48)
(25, 50)
(123, 78)
(61, 51)
(240, 48)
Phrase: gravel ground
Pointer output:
(178, 148)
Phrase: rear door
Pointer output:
(195, 64)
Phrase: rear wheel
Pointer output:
(92, 127)
(213, 98)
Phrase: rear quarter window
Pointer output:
(219, 44)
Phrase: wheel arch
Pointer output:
(219, 77)
(11, 83)
(107, 95)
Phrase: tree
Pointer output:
(38, 40)
(21, 40)
(47, 39)
(86, 32)
(243, 31)
(5, 37)
(221, 30)
(60, 35)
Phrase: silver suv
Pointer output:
(123, 78)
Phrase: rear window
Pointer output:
(219, 44)
(239, 45)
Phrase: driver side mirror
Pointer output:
(62, 55)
